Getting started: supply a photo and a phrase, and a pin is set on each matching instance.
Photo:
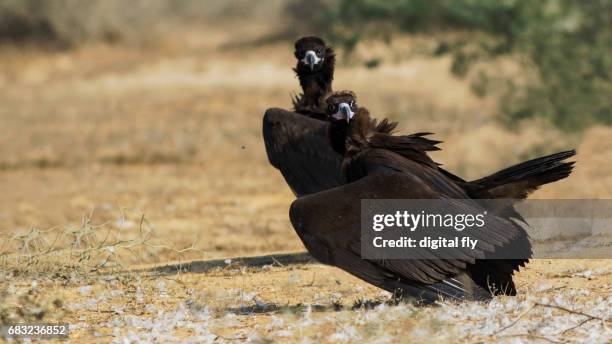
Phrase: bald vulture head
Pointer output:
(310, 51)
(341, 106)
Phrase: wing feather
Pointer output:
(298, 146)
(333, 218)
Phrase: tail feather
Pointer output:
(519, 180)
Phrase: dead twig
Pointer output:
(589, 317)
(228, 338)
(532, 336)
(277, 262)
(577, 325)
(592, 317)
(515, 321)
(538, 304)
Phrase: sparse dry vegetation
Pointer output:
(118, 157)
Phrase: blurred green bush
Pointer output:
(564, 47)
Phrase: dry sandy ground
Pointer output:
(560, 301)
(116, 157)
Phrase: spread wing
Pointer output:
(329, 225)
(298, 146)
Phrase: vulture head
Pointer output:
(311, 53)
(351, 123)
(341, 106)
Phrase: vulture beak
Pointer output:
(311, 59)
(344, 112)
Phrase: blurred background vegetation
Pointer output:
(63, 24)
(562, 48)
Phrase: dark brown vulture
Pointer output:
(297, 142)
(384, 166)
(315, 70)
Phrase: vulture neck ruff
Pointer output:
(365, 133)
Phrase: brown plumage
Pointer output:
(299, 147)
(339, 126)
(315, 70)
(515, 182)
(383, 166)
